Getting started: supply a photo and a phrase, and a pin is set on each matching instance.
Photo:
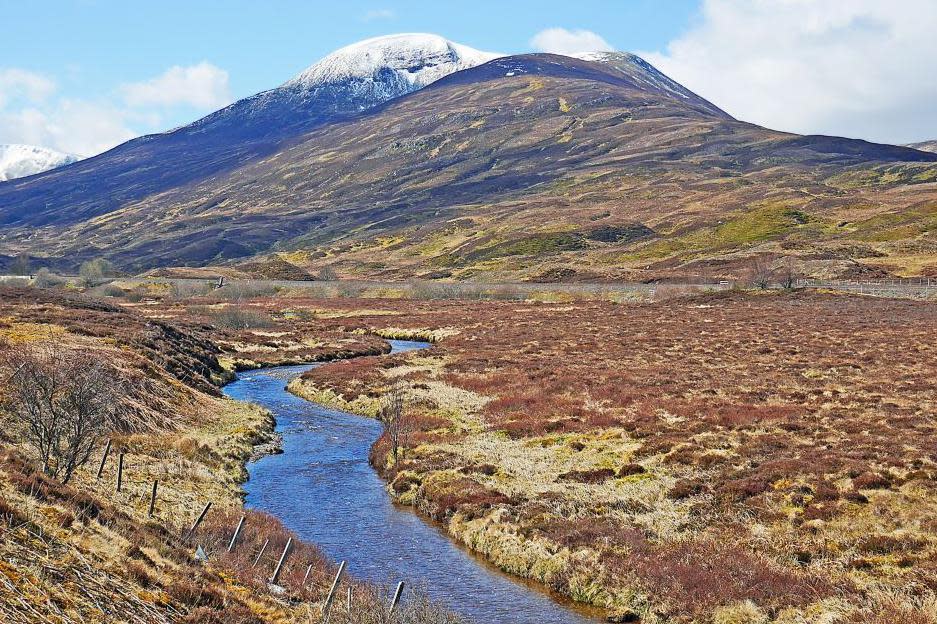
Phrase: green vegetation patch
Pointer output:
(893, 175)
(534, 245)
(768, 222)
(907, 224)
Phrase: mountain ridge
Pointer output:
(250, 128)
(521, 166)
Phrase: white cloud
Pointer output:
(562, 41)
(378, 14)
(72, 126)
(29, 114)
(202, 86)
(19, 83)
(861, 68)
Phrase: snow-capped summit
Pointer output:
(392, 65)
(346, 82)
(18, 161)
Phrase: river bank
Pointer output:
(323, 488)
(119, 541)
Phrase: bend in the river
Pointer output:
(323, 488)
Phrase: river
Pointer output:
(323, 488)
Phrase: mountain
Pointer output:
(19, 161)
(339, 86)
(643, 75)
(525, 167)
(924, 146)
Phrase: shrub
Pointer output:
(686, 488)
(871, 481)
(46, 279)
(65, 399)
(9, 515)
(195, 594)
(631, 469)
(600, 475)
(138, 573)
(112, 290)
(239, 317)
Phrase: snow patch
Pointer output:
(18, 161)
(418, 59)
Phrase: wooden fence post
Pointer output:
(276, 571)
(348, 602)
(237, 531)
(306, 575)
(152, 499)
(261, 553)
(107, 450)
(198, 520)
(120, 470)
(396, 599)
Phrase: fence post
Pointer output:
(396, 599)
(276, 571)
(306, 575)
(261, 553)
(237, 531)
(198, 520)
(120, 470)
(152, 499)
(348, 603)
(331, 596)
(107, 450)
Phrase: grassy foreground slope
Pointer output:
(84, 553)
(730, 458)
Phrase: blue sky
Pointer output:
(102, 43)
(82, 75)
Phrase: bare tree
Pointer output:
(327, 274)
(20, 266)
(788, 275)
(760, 273)
(65, 400)
(394, 417)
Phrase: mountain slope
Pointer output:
(528, 167)
(19, 161)
(533, 166)
(339, 86)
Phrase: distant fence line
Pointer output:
(917, 287)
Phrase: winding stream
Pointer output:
(322, 488)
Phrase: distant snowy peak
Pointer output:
(18, 161)
(376, 70)
(924, 146)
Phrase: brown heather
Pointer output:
(690, 460)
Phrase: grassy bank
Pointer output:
(87, 552)
(731, 458)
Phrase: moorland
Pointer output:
(740, 456)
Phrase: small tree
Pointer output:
(20, 266)
(96, 269)
(394, 417)
(64, 399)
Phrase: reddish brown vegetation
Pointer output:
(790, 410)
